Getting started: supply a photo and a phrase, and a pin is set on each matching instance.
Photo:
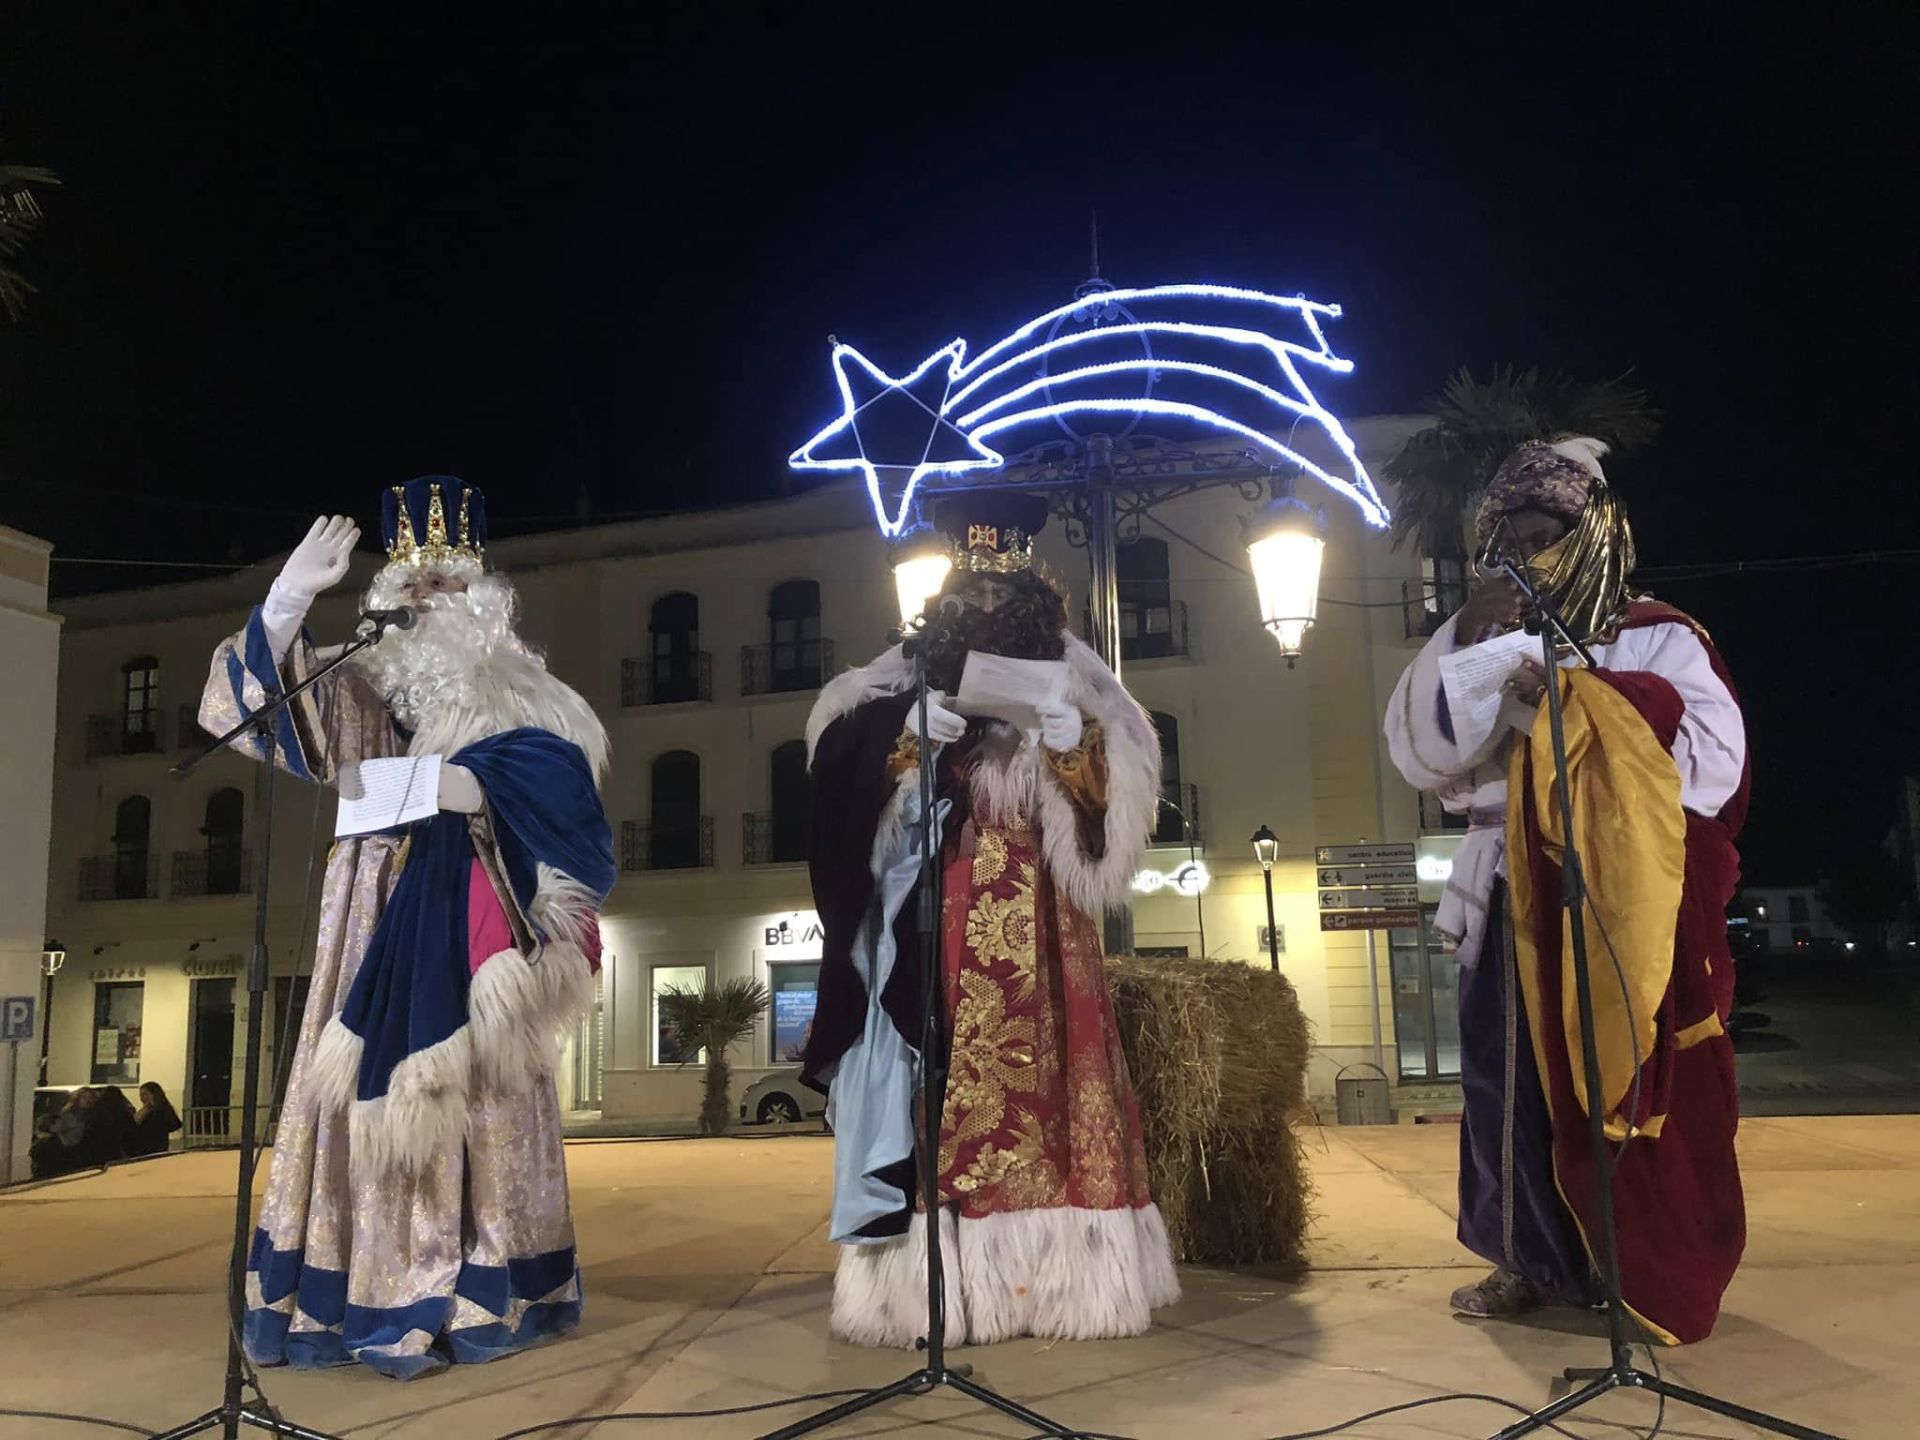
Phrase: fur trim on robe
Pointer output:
(1061, 1273)
(1014, 779)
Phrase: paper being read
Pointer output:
(1472, 679)
(380, 794)
(1003, 688)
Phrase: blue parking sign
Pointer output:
(16, 1017)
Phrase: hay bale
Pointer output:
(1218, 1052)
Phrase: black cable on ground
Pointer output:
(94, 1420)
(546, 1425)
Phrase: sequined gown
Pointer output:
(470, 1259)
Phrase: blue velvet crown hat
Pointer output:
(414, 520)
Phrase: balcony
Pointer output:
(120, 733)
(1426, 605)
(1435, 818)
(643, 682)
(227, 871)
(785, 669)
(646, 846)
(1154, 632)
(1179, 822)
(772, 840)
(129, 876)
(187, 734)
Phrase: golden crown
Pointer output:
(993, 550)
(440, 544)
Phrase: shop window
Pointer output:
(666, 1049)
(117, 1009)
(796, 991)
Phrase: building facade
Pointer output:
(30, 655)
(702, 640)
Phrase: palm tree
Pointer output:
(712, 1019)
(19, 218)
(1442, 470)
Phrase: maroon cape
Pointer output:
(1678, 1205)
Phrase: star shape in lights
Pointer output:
(897, 411)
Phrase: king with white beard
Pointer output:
(416, 1210)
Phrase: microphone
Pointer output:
(377, 622)
(952, 606)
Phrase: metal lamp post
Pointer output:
(52, 956)
(1266, 849)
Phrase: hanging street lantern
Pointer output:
(921, 562)
(1285, 546)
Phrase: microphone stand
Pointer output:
(935, 1372)
(1620, 1372)
(233, 1410)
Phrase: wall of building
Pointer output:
(1298, 750)
(29, 659)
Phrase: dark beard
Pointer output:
(1029, 627)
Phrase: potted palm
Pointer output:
(711, 1019)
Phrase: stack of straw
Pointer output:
(1218, 1051)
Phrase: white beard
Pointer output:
(462, 674)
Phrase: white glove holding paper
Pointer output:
(1060, 727)
(1020, 692)
(944, 725)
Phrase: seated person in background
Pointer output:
(154, 1122)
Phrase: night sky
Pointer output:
(590, 263)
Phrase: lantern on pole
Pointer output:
(921, 562)
(1285, 546)
(1266, 849)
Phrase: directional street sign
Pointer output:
(1364, 854)
(1396, 899)
(1370, 919)
(1368, 875)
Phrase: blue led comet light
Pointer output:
(970, 402)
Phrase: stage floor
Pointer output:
(707, 1275)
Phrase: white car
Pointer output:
(780, 1099)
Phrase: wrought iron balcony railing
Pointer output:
(786, 668)
(648, 682)
(225, 871)
(1426, 605)
(772, 840)
(119, 733)
(646, 845)
(129, 876)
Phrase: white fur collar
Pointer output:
(1133, 771)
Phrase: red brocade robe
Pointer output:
(1659, 879)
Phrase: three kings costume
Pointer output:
(1046, 1225)
(416, 1211)
(1659, 781)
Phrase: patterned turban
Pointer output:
(1558, 478)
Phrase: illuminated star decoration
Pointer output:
(1038, 373)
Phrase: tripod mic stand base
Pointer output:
(230, 1422)
(924, 1382)
(1625, 1377)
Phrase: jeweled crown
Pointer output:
(414, 521)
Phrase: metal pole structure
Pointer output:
(1273, 930)
(1103, 605)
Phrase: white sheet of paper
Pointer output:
(389, 792)
(1002, 688)
(1472, 679)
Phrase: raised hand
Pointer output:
(320, 561)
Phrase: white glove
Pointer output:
(320, 561)
(459, 790)
(1060, 727)
(944, 726)
(317, 563)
